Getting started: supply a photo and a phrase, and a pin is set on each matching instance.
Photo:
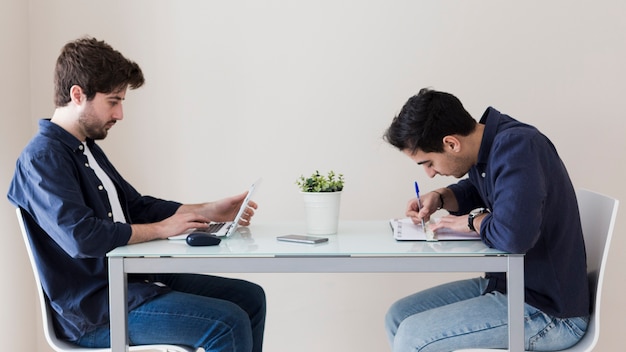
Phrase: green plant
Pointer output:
(320, 183)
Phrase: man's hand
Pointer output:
(226, 209)
(452, 222)
(222, 210)
(174, 225)
(430, 204)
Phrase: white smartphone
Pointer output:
(302, 239)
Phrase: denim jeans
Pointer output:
(457, 315)
(215, 313)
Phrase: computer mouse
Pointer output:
(202, 239)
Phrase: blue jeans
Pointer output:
(215, 313)
(457, 315)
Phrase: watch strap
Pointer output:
(472, 215)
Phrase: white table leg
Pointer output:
(515, 293)
(118, 308)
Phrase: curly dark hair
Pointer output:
(94, 66)
(425, 119)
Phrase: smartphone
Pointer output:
(302, 238)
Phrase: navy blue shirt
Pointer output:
(70, 225)
(520, 177)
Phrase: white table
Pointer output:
(359, 247)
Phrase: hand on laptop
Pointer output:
(178, 223)
(223, 210)
(237, 209)
(226, 209)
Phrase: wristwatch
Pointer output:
(473, 214)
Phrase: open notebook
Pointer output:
(406, 230)
(226, 228)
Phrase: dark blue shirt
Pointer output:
(520, 177)
(70, 225)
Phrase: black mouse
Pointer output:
(202, 239)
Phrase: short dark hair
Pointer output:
(425, 119)
(94, 66)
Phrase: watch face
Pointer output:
(476, 212)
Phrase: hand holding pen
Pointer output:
(419, 204)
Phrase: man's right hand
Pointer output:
(174, 225)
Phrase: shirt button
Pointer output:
(81, 147)
(483, 175)
(100, 188)
(110, 214)
(86, 164)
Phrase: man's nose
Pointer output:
(430, 172)
(118, 114)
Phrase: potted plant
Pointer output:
(319, 183)
(322, 195)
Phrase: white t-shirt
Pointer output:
(114, 200)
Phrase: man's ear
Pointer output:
(451, 144)
(77, 95)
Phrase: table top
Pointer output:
(353, 239)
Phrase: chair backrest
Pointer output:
(598, 214)
(46, 314)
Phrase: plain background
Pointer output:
(306, 85)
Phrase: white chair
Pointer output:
(48, 328)
(598, 213)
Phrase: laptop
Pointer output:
(225, 228)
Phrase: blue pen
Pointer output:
(419, 204)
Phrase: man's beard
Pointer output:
(91, 127)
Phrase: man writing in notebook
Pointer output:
(519, 198)
(78, 207)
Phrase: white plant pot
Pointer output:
(322, 212)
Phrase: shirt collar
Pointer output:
(54, 131)
(491, 120)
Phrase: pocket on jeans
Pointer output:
(550, 333)
(539, 324)
(578, 326)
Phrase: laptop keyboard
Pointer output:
(214, 227)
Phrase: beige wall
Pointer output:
(19, 319)
(312, 85)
